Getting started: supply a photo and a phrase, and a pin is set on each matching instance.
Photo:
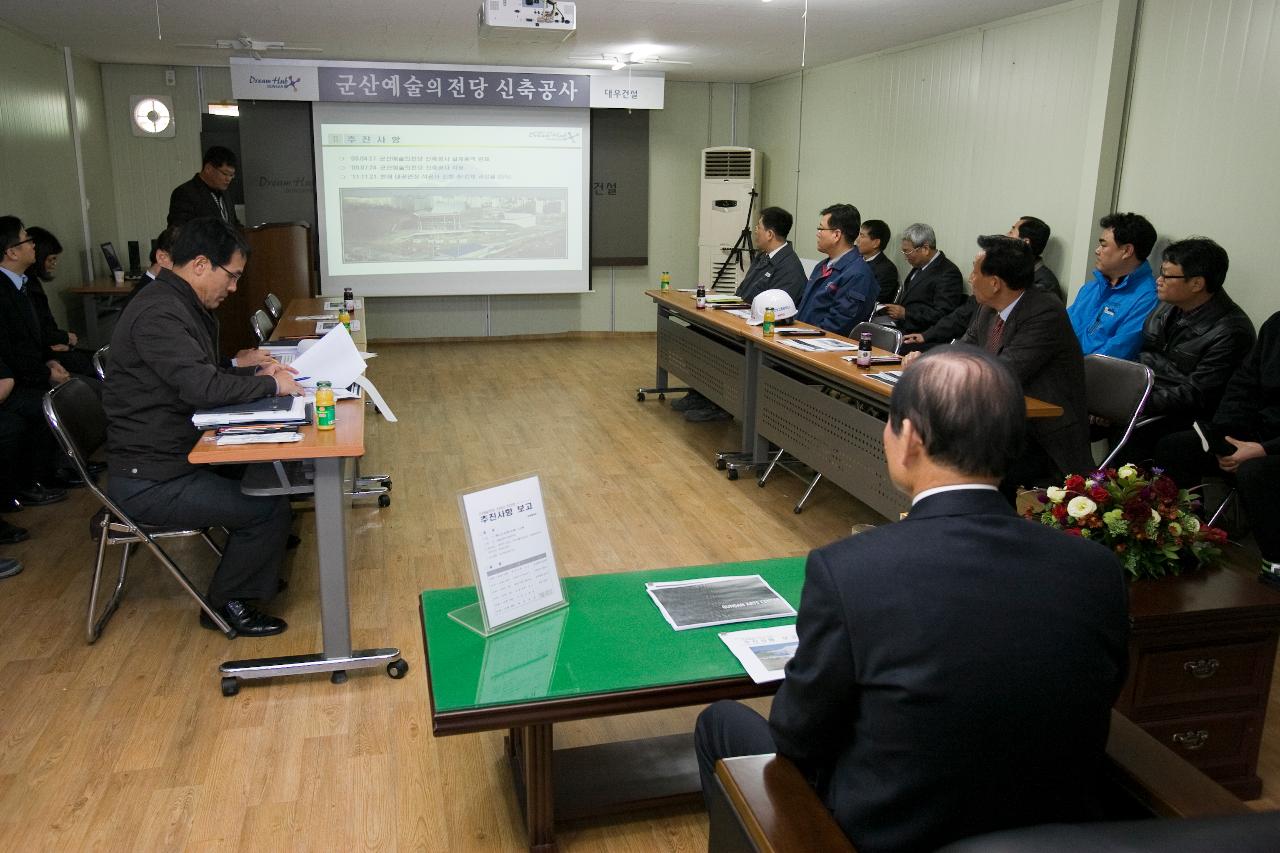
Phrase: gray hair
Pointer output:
(919, 234)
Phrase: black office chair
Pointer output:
(274, 307)
(100, 359)
(262, 325)
(76, 417)
(1117, 391)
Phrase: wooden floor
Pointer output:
(128, 744)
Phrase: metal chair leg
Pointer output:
(813, 484)
(217, 549)
(773, 463)
(1213, 522)
(94, 625)
(181, 578)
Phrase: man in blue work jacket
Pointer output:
(1109, 311)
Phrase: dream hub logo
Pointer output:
(287, 81)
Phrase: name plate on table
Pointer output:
(511, 556)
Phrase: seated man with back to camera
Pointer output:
(956, 669)
(841, 290)
(164, 367)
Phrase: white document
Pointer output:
(763, 652)
(743, 313)
(260, 438)
(336, 304)
(326, 325)
(316, 317)
(334, 358)
(511, 549)
(702, 602)
(819, 345)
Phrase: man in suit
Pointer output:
(164, 367)
(841, 291)
(776, 266)
(932, 289)
(1029, 330)
(873, 236)
(1110, 309)
(205, 193)
(30, 364)
(1030, 230)
(955, 670)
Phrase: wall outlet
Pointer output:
(170, 77)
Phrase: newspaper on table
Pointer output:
(763, 652)
(702, 602)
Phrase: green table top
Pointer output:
(610, 638)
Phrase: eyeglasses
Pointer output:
(913, 249)
(30, 240)
(229, 174)
(1172, 277)
(820, 228)
(234, 276)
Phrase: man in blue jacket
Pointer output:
(841, 291)
(1109, 311)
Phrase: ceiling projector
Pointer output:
(528, 20)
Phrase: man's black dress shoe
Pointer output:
(10, 505)
(40, 495)
(65, 480)
(246, 619)
(9, 567)
(11, 534)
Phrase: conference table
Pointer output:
(315, 465)
(100, 299)
(780, 395)
(609, 652)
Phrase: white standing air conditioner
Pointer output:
(729, 175)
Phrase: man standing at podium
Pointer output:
(206, 193)
(955, 670)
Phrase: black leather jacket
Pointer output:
(1194, 357)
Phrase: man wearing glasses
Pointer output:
(932, 289)
(164, 367)
(206, 193)
(841, 290)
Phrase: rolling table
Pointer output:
(609, 652)
(314, 464)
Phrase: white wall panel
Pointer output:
(1204, 132)
(965, 132)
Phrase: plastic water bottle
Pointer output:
(767, 326)
(664, 282)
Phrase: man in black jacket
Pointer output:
(936, 653)
(776, 266)
(1248, 416)
(932, 289)
(873, 236)
(164, 367)
(30, 364)
(1193, 342)
(205, 194)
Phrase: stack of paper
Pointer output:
(819, 344)
(763, 652)
(717, 601)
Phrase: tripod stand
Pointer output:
(743, 244)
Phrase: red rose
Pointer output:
(1074, 531)
(1099, 494)
(1075, 483)
(1164, 488)
(1059, 511)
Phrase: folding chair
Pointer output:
(262, 325)
(100, 359)
(274, 307)
(882, 337)
(77, 419)
(1117, 390)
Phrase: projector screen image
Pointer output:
(452, 201)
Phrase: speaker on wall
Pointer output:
(135, 258)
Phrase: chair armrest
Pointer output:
(1161, 781)
(775, 807)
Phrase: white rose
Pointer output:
(1055, 494)
(1127, 472)
(1080, 506)
(1155, 516)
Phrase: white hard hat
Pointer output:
(778, 300)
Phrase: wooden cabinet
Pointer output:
(1201, 652)
(280, 262)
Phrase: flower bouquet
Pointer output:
(1145, 518)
